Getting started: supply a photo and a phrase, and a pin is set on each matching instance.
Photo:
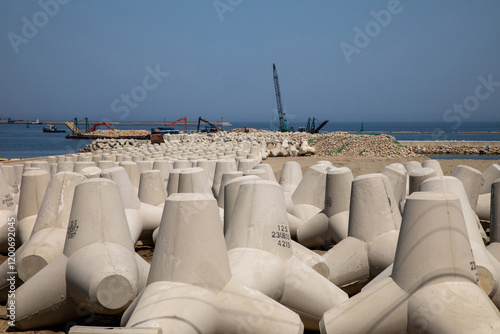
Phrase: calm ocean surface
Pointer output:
(18, 141)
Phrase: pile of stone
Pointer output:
(142, 134)
(342, 143)
(461, 150)
(107, 144)
(284, 144)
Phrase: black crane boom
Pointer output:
(281, 113)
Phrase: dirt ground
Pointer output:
(358, 165)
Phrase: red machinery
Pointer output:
(98, 124)
(180, 120)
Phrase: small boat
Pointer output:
(37, 121)
(51, 128)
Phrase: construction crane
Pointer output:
(281, 113)
(180, 120)
(214, 128)
(311, 125)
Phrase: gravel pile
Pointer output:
(114, 134)
(342, 143)
(461, 150)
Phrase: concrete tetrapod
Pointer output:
(417, 176)
(291, 175)
(221, 167)
(152, 189)
(471, 178)
(49, 232)
(230, 193)
(484, 200)
(434, 164)
(142, 218)
(98, 270)
(309, 196)
(433, 288)
(374, 222)
(269, 170)
(487, 268)
(194, 180)
(8, 213)
(226, 177)
(190, 288)
(33, 186)
(398, 178)
(260, 254)
(331, 224)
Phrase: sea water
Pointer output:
(20, 141)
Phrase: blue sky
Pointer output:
(155, 60)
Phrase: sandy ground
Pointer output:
(358, 165)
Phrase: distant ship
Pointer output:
(36, 121)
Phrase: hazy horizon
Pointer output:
(386, 61)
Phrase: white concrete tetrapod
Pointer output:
(164, 167)
(49, 231)
(190, 288)
(144, 165)
(483, 206)
(92, 172)
(181, 164)
(417, 176)
(269, 170)
(488, 177)
(221, 167)
(80, 165)
(323, 229)
(10, 175)
(8, 214)
(173, 182)
(291, 175)
(105, 164)
(471, 178)
(411, 165)
(44, 165)
(152, 189)
(309, 196)
(433, 288)
(488, 275)
(194, 180)
(260, 254)
(133, 172)
(33, 186)
(226, 177)
(209, 167)
(230, 193)
(245, 164)
(98, 270)
(484, 200)
(142, 218)
(261, 173)
(434, 164)
(374, 222)
(398, 178)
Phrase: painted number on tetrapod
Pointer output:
(8, 201)
(283, 235)
(72, 229)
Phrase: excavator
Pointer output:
(180, 120)
(209, 128)
(98, 124)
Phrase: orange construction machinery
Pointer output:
(180, 120)
(98, 124)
